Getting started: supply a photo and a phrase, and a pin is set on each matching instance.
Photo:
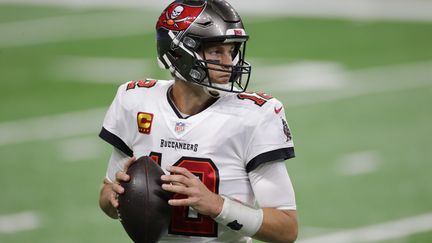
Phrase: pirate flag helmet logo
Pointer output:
(178, 17)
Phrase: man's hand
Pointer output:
(199, 197)
(108, 196)
(121, 176)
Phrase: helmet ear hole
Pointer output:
(198, 74)
(191, 43)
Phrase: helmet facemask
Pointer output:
(239, 70)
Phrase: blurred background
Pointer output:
(355, 77)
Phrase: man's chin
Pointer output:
(223, 80)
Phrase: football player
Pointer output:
(222, 148)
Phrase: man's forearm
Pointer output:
(278, 226)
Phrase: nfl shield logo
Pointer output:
(179, 127)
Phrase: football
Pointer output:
(143, 208)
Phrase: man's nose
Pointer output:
(227, 60)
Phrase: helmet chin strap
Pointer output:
(215, 93)
(212, 93)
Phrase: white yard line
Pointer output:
(74, 27)
(80, 149)
(23, 221)
(358, 163)
(334, 83)
(350, 9)
(352, 93)
(379, 232)
(52, 127)
(100, 70)
(298, 76)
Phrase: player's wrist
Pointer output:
(240, 217)
(218, 203)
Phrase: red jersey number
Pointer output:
(148, 83)
(258, 98)
(185, 221)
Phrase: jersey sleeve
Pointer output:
(114, 128)
(272, 186)
(116, 163)
(271, 139)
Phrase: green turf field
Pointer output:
(363, 143)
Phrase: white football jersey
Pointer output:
(221, 145)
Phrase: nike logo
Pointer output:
(278, 110)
